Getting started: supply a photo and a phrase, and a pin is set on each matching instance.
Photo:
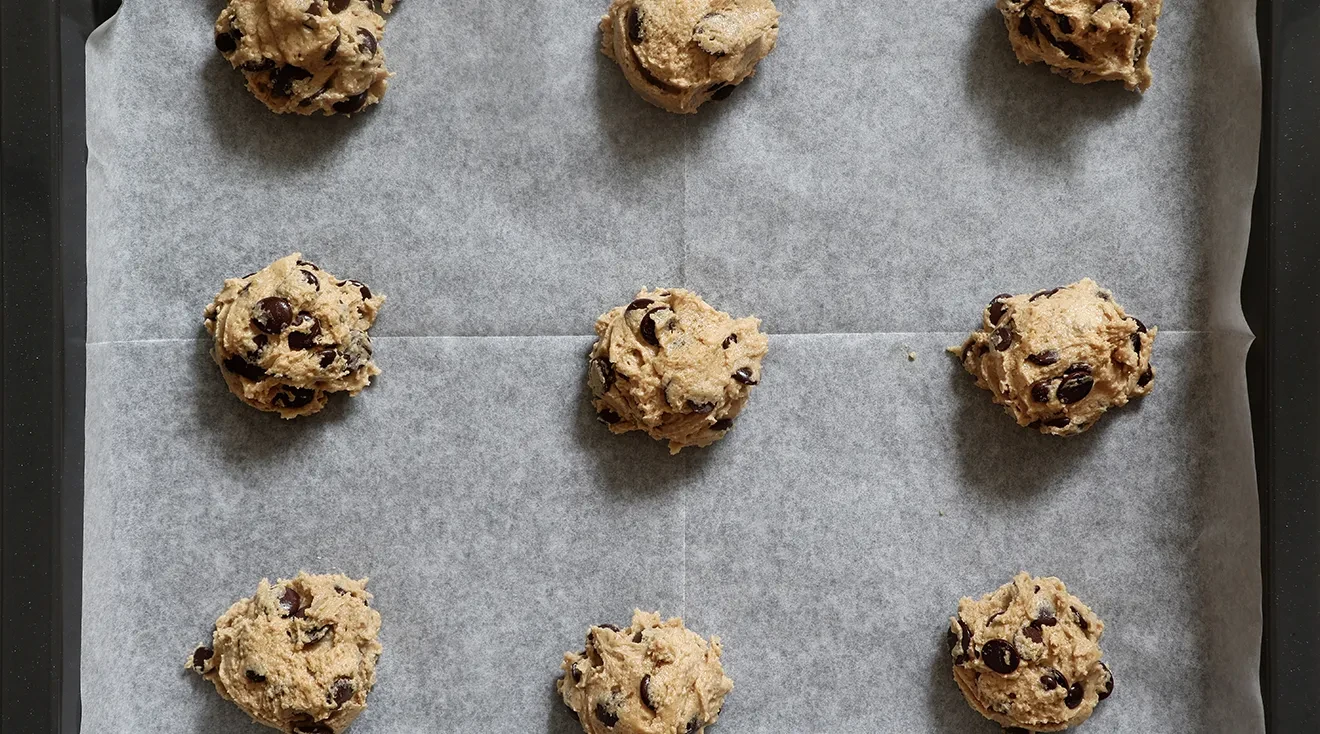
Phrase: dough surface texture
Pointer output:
(1058, 359)
(306, 56)
(288, 335)
(677, 54)
(653, 677)
(672, 366)
(1028, 655)
(299, 656)
(1086, 40)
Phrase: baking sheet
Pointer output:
(887, 171)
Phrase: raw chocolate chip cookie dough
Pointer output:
(306, 56)
(1086, 40)
(653, 677)
(1058, 359)
(672, 366)
(287, 336)
(679, 53)
(299, 656)
(1028, 655)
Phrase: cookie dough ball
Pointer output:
(1028, 655)
(672, 366)
(299, 656)
(679, 53)
(307, 55)
(1058, 359)
(653, 677)
(1086, 40)
(287, 336)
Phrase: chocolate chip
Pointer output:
(730, 339)
(1033, 633)
(1136, 343)
(1061, 421)
(1079, 619)
(1025, 27)
(1065, 24)
(226, 43)
(635, 33)
(605, 716)
(338, 6)
(305, 339)
(282, 79)
(721, 92)
(1002, 338)
(600, 376)
(290, 602)
(349, 105)
(332, 49)
(1040, 390)
(316, 634)
(609, 626)
(744, 375)
(998, 305)
(254, 67)
(648, 326)
(1000, 656)
(1071, 50)
(272, 315)
(1045, 358)
(1108, 687)
(366, 292)
(255, 677)
(608, 416)
(1075, 387)
(315, 8)
(1045, 618)
(991, 619)
(342, 690)
(1079, 367)
(1145, 378)
(645, 691)
(637, 637)
(1043, 294)
(950, 639)
(328, 358)
(577, 674)
(966, 638)
(701, 408)
(200, 656)
(693, 726)
(244, 368)
(1076, 692)
(312, 728)
(294, 397)
(967, 350)
(722, 424)
(368, 42)
(638, 304)
(1053, 679)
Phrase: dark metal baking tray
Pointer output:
(43, 334)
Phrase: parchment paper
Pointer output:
(888, 170)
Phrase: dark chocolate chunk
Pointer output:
(1045, 618)
(721, 92)
(305, 339)
(1136, 343)
(722, 424)
(226, 43)
(998, 305)
(729, 340)
(314, 8)
(635, 32)
(1025, 27)
(328, 358)
(600, 375)
(605, 716)
(254, 67)
(1071, 49)
(1061, 421)
(349, 105)
(1076, 692)
(200, 656)
(966, 638)
(950, 639)
(609, 626)
(294, 397)
(311, 279)
(332, 49)
(1075, 387)
(1033, 633)
(1079, 619)
(367, 42)
(291, 602)
(244, 368)
(1002, 338)
(1145, 378)
(1000, 656)
(645, 691)
(648, 326)
(1045, 358)
(637, 304)
(1079, 367)
(1040, 390)
(272, 315)
(255, 677)
(744, 375)
(637, 637)
(338, 6)
(314, 635)
(1053, 679)
(342, 690)
(693, 726)
(1043, 294)
(575, 672)
(282, 79)
(608, 416)
(1108, 687)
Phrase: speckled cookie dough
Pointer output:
(299, 656)
(654, 677)
(679, 53)
(672, 366)
(1086, 40)
(1058, 359)
(306, 56)
(1028, 655)
(288, 335)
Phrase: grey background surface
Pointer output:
(888, 170)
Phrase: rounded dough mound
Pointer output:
(287, 336)
(307, 55)
(299, 656)
(1058, 359)
(1028, 655)
(679, 53)
(672, 366)
(1086, 40)
(653, 677)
